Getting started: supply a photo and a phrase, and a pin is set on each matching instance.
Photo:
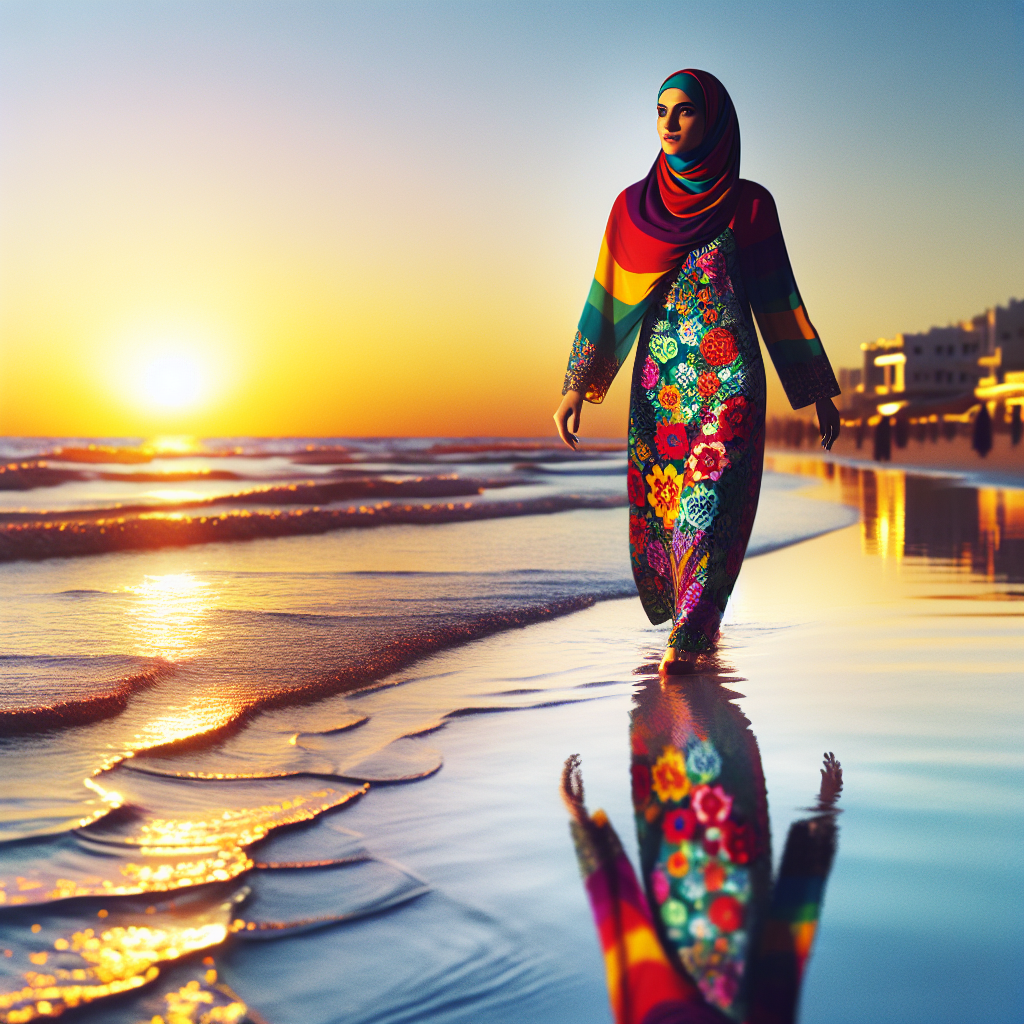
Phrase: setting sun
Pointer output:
(172, 380)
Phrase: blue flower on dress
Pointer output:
(703, 763)
(700, 507)
(692, 886)
(686, 376)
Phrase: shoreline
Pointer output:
(973, 477)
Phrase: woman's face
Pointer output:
(680, 122)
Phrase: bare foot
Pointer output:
(676, 662)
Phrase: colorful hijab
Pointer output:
(684, 202)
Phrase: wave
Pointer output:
(306, 493)
(69, 537)
(27, 476)
(63, 712)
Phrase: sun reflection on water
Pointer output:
(169, 619)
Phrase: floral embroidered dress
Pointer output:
(697, 412)
(710, 937)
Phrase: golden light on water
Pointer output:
(91, 964)
(173, 445)
(168, 620)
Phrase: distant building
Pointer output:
(1004, 331)
(944, 362)
(850, 384)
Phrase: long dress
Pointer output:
(697, 413)
(704, 935)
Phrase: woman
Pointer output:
(686, 255)
(704, 935)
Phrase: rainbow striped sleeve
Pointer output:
(792, 921)
(644, 987)
(789, 335)
(629, 267)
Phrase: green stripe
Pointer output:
(792, 352)
(611, 308)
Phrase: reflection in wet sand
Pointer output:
(936, 517)
(712, 938)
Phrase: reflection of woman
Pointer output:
(686, 254)
(711, 938)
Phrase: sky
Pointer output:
(328, 219)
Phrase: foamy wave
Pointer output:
(69, 537)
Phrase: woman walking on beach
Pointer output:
(688, 252)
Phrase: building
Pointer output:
(850, 380)
(944, 360)
(941, 363)
(1004, 331)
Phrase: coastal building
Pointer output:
(941, 363)
(1004, 333)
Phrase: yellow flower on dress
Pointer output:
(665, 493)
(669, 776)
(669, 397)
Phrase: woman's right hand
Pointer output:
(572, 403)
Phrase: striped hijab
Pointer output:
(684, 202)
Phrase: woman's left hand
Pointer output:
(828, 422)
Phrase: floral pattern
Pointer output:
(699, 880)
(696, 438)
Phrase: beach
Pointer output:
(336, 748)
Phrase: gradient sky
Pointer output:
(383, 218)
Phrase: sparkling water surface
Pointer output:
(258, 706)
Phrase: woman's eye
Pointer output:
(662, 111)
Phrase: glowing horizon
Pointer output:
(348, 222)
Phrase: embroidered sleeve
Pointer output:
(589, 371)
(792, 342)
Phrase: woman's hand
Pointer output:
(828, 422)
(571, 405)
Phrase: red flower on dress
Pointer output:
(671, 441)
(679, 825)
(714, 876)
(708, 383)
(734, 419)
(637, 534)
(635, 487)
(710, 315)
(726, 913)
(707, 461)
(641, 777)
(738, 842)
(711, 804)
(719, 347)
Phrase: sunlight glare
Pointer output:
(169, 618)
(172, 380)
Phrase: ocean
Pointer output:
(281, 721)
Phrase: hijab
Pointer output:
(685, 201)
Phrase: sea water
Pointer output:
(343, 735)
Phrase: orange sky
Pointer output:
(341, 220)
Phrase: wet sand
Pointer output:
(893, 641)
(907, 667)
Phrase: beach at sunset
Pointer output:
(347, 743)
(383, 640)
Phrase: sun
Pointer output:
(172, 380)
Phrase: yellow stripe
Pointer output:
(621, 284)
